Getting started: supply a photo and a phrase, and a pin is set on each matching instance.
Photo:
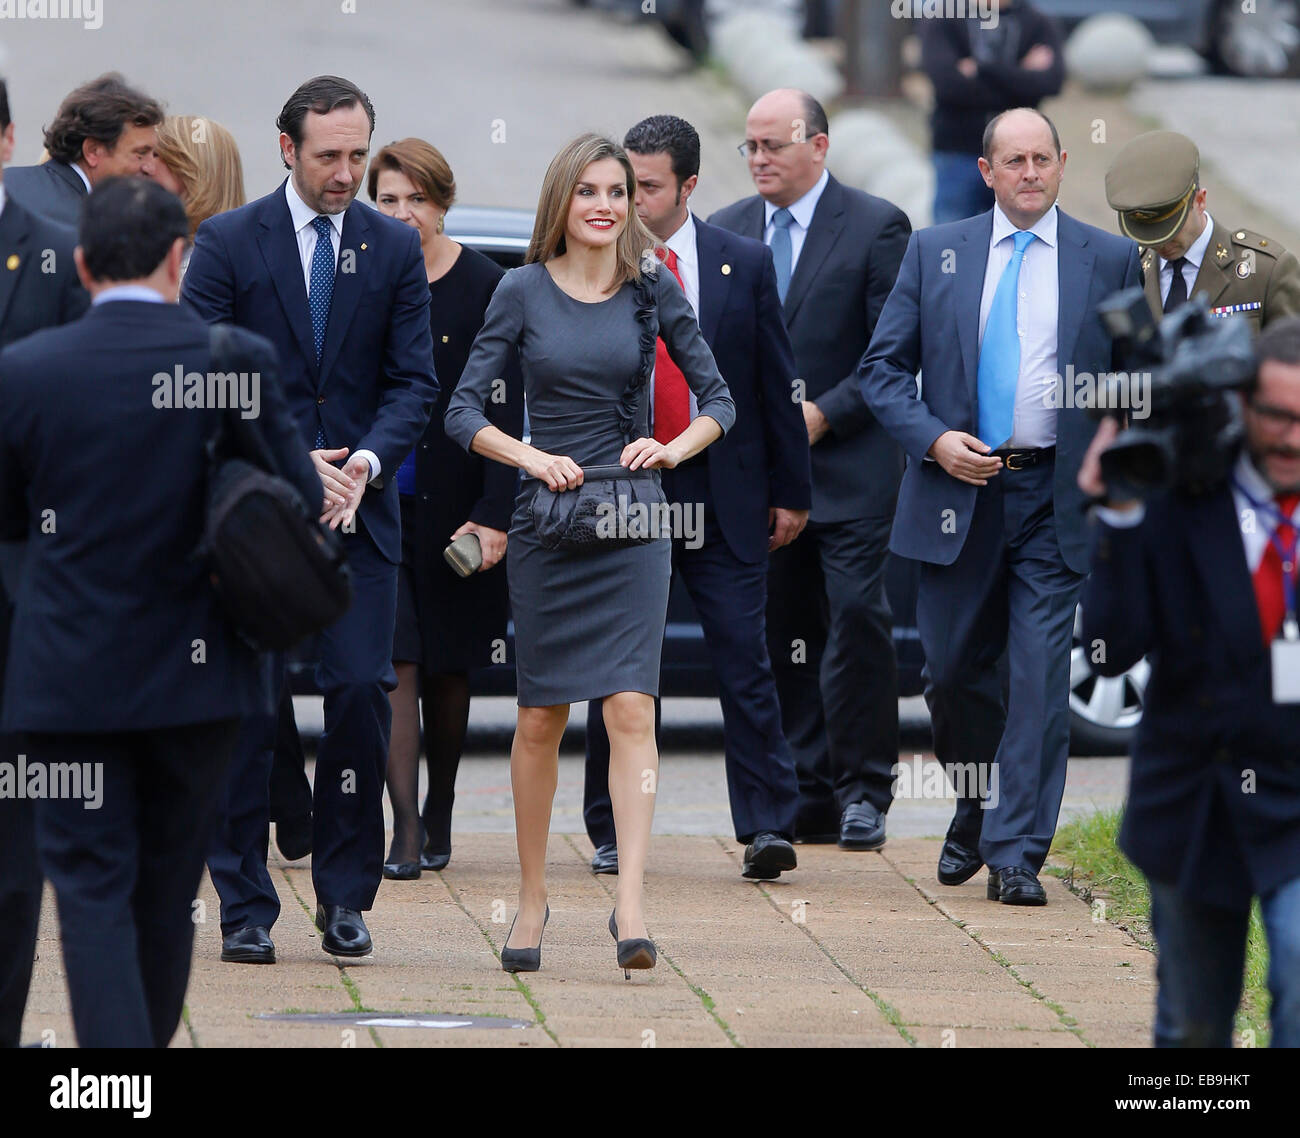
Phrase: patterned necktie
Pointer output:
(782, 251)
(999, 363)
(1178, 286)
(1269, 593)
(672, 399)
(322, 292)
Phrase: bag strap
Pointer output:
(614, 470)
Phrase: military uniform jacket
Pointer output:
(1242, 272)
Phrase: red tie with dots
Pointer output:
(672, 399)
(1269, 592)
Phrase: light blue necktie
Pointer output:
(782, 252)
(322, 292)
(999, 366)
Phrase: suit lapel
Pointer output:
(14, 231)
(710, 255)
(973, 260)
(65, 173)
(1218, 554)
(823, 233)
(1213, 276)
(279, 246)
(1074, 277)
(349, 282)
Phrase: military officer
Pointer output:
(1154, 185)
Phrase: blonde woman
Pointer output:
(198, 161)
(589, 624)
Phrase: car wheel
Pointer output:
(1262, 43)
(1104, 710)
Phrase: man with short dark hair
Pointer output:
(992, 312)
(103, 129)
(341, 291)
(836, 252)
(747, 495)
(1204, 585)
(123, 667)
(38, 289)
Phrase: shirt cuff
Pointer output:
(373, 459)
(1122, 519)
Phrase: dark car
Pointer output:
(1103, 711)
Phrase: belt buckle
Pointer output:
(1010, 461)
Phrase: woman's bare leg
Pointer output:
(633, 780)
(534, 770)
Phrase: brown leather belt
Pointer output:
(1024, 459)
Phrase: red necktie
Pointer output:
(672, 399)
(1269, 593)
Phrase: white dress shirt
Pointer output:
(1037, 313)
(1195, 255)
(82, 175)
(2, 199)
(302, 216)
(802, 211)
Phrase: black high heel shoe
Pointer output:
(635, 952)
(523, 959)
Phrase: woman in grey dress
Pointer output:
(588, 625)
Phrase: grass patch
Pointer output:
(1090, 863)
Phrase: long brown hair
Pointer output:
(204, 157)
(634, 244)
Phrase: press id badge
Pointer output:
(1286, 663)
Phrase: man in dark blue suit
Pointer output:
(836, 251)
(993, 312)
(1200, 583)
(748, 495)
(38, 289)
(103, 129)
(123, 668)
(341, 292)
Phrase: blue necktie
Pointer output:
(322, 292)
(999, 365)
(782, 252)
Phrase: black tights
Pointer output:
(444, 697)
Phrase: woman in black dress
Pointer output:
(445, 624)
(589, 624)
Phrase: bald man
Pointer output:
(836, 252)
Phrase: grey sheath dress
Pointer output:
(587, 625)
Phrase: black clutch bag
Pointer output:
(613, 508)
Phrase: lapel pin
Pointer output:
(12, 262)
(726, 270)
(363, 246)
(445, 339)
(1221, 252)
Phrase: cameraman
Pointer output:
(1206, 584)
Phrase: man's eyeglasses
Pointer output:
(1277, 418)
(750, 147)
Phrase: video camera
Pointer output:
(1192, 363)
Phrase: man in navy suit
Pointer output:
(341, 291)
(750, 494)
(836, 251)
(38, 289)
(1200, 583)
(993, 311)
(103, 129)
(123, 667)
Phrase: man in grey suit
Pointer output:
(103, 129)
(993, 311)
(837, 252)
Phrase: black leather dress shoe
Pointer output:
(344, 933)
(766, 856)
(958, 863)
(605, 859)
(402, 870)
(1015, 885)
(293, 837)
(862, 827)
(434, 859)
(251, 945)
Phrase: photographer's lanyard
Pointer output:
(1289, 558)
